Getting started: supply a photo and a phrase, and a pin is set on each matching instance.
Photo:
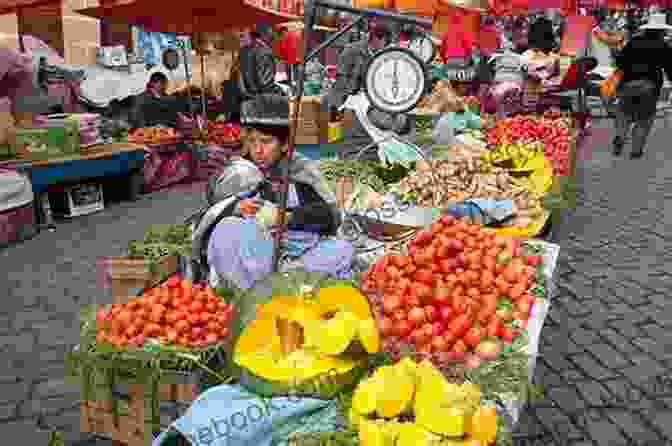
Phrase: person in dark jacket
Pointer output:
(154, 108)
(642, 61)
(257, 65)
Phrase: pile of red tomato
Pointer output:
(460, 289)
(223, 133)
(553, 131)
(175, 313)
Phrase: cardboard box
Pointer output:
(313, 125)
(31, 143)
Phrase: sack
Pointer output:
(609, 86)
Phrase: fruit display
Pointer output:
(518, 154)
(153, 135)
(424, 409)
(307, 345)
(459, 287)
(223, 133)
(554, 133)
(175, 313)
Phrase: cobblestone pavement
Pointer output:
(47, 278)
(602, 346)
(606, 347)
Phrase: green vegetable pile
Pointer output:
(161, 241)
(368, 173)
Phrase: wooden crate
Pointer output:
(132, 424)
(128, 276)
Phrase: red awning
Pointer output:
(13, 6)
(523, 7)
(186, 17)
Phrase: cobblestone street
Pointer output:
(605, 341)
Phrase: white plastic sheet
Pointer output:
(540, 310)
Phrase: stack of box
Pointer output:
(89, 128)
(48, 138)
(313, 125)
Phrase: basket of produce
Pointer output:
(464, 172)
(459, 288)
(223, 133)
(551, 132)
(153, 136)
(360, 187)
(424, 408)
(136, 357)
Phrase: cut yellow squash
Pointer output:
(376, 433)
(343, 298)
(333, 336)
(371, 434)
(272, 350)
(368, 335)
(365, 398)
(411, 433)
(484, 425)
(446, 421)
(399, 392)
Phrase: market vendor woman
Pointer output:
(233, 242)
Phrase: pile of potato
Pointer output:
(464, 174)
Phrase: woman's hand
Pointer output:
(248, 208)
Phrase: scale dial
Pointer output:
(424, 48)
(395, 80)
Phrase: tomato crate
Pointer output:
(128, 276)
(126, 413)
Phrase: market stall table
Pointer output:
(117, 159)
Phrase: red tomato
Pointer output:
(431, 313)
(473, 337)
(442, 296)
(403, 328)
(417, 316)
(440, 344)
(386, 327)
(447, 314)
(508, 334)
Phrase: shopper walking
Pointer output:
(642, 61)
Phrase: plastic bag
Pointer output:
(444, 131)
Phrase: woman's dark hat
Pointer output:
(265, 110)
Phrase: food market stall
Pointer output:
(447, 310)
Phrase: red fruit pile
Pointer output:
(459, 287)
(176, 313)
(223, 133)
(554, 133)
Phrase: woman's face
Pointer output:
(263, 148)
